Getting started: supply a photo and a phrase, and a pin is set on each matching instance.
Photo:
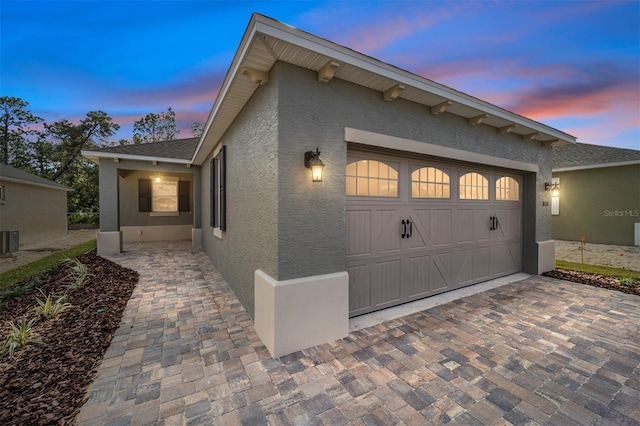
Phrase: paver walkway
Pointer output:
(539, 351)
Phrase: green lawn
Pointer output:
(600, 270)
(11, 277)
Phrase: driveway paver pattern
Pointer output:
(539, 351)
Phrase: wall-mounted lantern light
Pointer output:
(157, 179)
(553, 187)
(312, 161)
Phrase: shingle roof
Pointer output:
(582, 155)
(12, 174)
(181, 149)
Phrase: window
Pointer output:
(507, 189)
(371, 178)
(474, 186)
(164, 195)
(1, 194)
(217, 188)
(430, 182)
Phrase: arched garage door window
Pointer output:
(507, 189)
(474, 186)
(430, 182)
(371, 178)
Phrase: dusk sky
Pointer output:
(573, 65)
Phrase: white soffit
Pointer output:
(266, 41)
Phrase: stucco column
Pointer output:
(196, 232)
(110, 236)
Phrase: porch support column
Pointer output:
(196, 232)
(110, 236)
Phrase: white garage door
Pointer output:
(417, 228)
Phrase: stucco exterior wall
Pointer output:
(119, 205)
(38, 213)
(312, 115)
(129, 214)
(280, 222)
(251, 239)
(119, 194)
(602, 203)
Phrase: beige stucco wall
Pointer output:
(38, 213)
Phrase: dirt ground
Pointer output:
(33, 252)
(627, 257)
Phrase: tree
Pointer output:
(14, 122)
(155, 127)
(71, 139)
(196, 129)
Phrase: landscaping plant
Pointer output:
(18, 336)
(50, 308)
(628, 281)
(79, 273)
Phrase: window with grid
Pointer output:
(507, 189)
(371, 178)
(474, 186)
(430, 182)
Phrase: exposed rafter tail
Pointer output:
(326, 73)
(441, 107)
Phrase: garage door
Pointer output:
(418, 228)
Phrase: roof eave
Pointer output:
(38, 184)
(596, 166)
(95, 156)
(266, 26)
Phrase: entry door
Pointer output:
(413, 234)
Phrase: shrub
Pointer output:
(18, 336)
(79, 273)
(83, 218)
(628, 281)
(50, 308)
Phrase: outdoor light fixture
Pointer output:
(553, 187)
(157, 179)
(313, 162)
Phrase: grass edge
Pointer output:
(13, 276)
(597, 269)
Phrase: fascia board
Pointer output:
(98, 154)
(596, 166)
(226, 84)
(295, 36)
(41, 185)
(340, 53)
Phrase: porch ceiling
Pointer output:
(266, 41)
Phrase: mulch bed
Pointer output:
(47, 383)
(611, 283)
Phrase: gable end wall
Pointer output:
(250, 241)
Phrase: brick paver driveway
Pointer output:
(539, 351)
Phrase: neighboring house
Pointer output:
(33, 206)
(425, 189)
(599, 195)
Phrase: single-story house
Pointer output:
(424, 189)
(33, 206)
(598, 196)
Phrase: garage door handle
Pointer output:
(404, 229)
(410, 228)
